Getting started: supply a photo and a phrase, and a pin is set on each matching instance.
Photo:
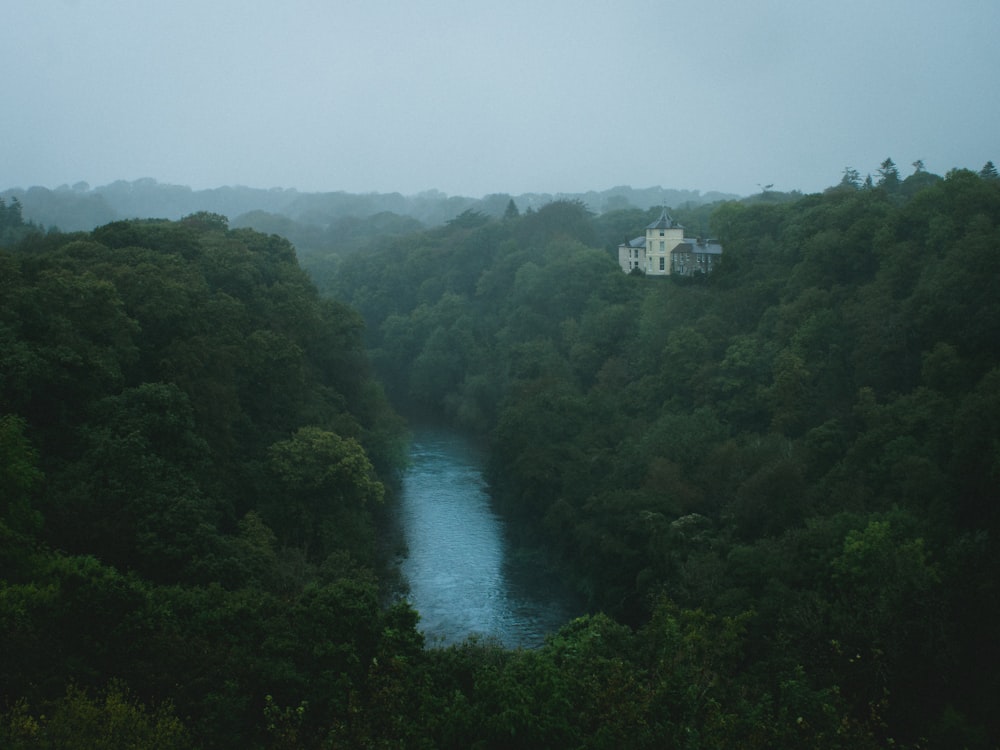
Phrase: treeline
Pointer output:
(315, 222)
(804, 442)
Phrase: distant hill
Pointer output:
(81, 207)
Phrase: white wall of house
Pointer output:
(659, 243)
(631, 257)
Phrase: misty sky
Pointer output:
(473, 97)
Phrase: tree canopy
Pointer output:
(802, 439)
(775, 485)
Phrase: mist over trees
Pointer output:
(13, 226)
(309, 215)
(775, 485)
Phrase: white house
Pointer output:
(664, 250)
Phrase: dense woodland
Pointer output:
(777, 486)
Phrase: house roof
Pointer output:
(691, 245)
(664, 222)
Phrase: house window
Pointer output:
(661, 262)
(663, 246)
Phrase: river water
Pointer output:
(463, 577)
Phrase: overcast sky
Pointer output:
(511, 96)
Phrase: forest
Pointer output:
(776, 486)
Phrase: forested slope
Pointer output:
(777, 485)
(191, 448)
(807, 441)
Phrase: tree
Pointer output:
(19, 476)
(888, 174)
(78, 342)
(205, 221)
(114, 720)
(511, 212)
(468, 219)
(851, 178)
(323, 483)
(20, 482)
(989, 172)
(887, 621)
(132, 497)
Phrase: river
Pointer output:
(463, 577)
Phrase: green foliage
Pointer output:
(322, 484)
(809, 435)
(113, 721)
(13, 227)
(888, 175)
(776, 489)
(20, 478)
(174, 397)
(320, 463)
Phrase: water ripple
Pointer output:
(457, 564)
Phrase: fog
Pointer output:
(472, 98)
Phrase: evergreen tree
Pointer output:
(851, 178)
(888, 174)
(12, 226)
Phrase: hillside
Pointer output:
(805, 439)
(194, 455)
(775, 485)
